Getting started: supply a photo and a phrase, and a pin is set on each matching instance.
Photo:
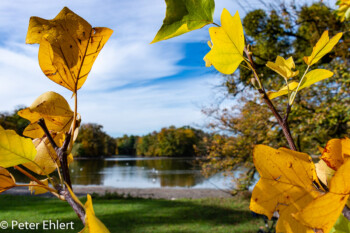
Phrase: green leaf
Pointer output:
(315, 76)
(183, 16)
(341, 226)
(14, 149)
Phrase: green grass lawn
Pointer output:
(137, 215)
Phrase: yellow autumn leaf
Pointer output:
(34, 188)
(54, 109)
(92, 223)
(283, 67)
(227, 44)
(322, 47)
(343, 12)
(68, 47)
(310, 78)
(46, 157)
(283, 91)
(285, 185)
(7, 181)
(324, 172)
(335, 152)
(323, 212)
(14, 149)
(315, 76)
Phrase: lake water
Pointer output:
(131, 172)
(134, 172)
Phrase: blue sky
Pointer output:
(134, 87)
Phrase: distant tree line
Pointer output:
(92, 141)
(171, 142)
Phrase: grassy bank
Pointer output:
(137, 215)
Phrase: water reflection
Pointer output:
(131, 172)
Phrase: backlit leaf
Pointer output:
(343, 11)
(183, 16)
(68, 47)
(46, 157)
(310, 78)
(228, 44)
(283, 67)
(323, 212)
(285, 185)
(315, 76)
(92, 223)
(53, 108)
(335, 152)
(322, 47)
(324, 172)
(6, 180)
(282, 91)
(14, 149)
(37, 189)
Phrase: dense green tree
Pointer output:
(93, 142)
(13, 121)
(320, 113)
(126, 145)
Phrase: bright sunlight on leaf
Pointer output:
(46, 157)
(283, 67)
(285, 185)
(37, 189)
(343, 11)
(282, 91)
(228, 44)
(322, 47)
(6, 180)
(323, 212)
(55, 110)
(311, 77)
(92, 223)
(68, 47)
(14, 149)
(335, 152)
(183, 16)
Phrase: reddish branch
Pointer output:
(283, 122)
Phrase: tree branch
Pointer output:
(282, 122)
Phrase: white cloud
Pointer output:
(143, 109)
(127, 59)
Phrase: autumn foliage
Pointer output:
(305, 196)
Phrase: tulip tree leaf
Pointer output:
(183, 16)
(55, 110)
(68, 47)
(322, 47)
(14, 149)
(92, 223)
(323, 212)
(6, 180)
(310, 78)
(285, 185)
(227, 44)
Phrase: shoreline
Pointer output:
(146, 193)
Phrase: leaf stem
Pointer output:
(296, 91)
